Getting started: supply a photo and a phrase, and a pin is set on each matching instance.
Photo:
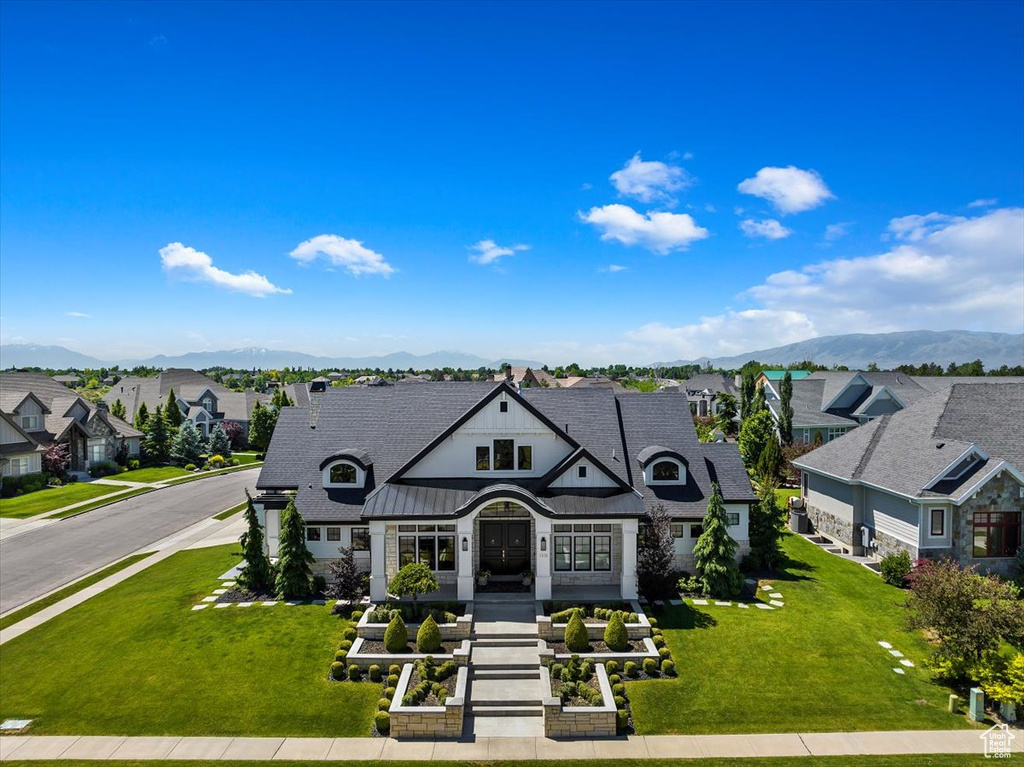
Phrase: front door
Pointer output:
(505, 547)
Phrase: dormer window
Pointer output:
(208, 404)
(30, 422)
(344, 474)
(665, 471)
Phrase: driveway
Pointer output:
(33, 563)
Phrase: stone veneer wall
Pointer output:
(391, 554)
(1001, 493)
(555, 632)
(428, 721)
(580, 721)
(461, 629)
(831, 526)
(602, 578)
(887, 544)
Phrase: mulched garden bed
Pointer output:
(596, 645)
(241, 595)
(431, 699)
(575, 700)
(374, 647)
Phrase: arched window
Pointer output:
(343, 474)
(665, 471)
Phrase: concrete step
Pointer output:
(504, 726)
(489, 672)
(528, 710)
(505, 640)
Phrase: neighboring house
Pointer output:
(72, 382)
(200, 399)
(828, 404)
(371, 381)
(776, 376)
(480, 476)
(704, 390)
(941, 478)
(38, 411)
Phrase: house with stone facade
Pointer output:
(705, 391)
(941, 478)
(470, 477)
(38, 412)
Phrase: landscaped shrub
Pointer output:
(664, 653)
(428, 638)
(668, 667)
(659, 641)
(189, 467)
(611, 666)
(54, 482)
(383, 704)
(354, 672)
(563, 616)
(356, 615)
(650, 666)
(341, 655)
(396, 638)
(319, 584)
(614, 679)
(622, 719)
(345, 644)
(895, 568)
(631, 669)
(656, 631)
(375, 674)
(620, 702)
(382, 721)
(394, 670)
(133, 464)
(392, 680)
(618, 689)
(103, 468)
(653, 622)
(615, 634)
(338, 670)
(350, 634)
(389, 692)
(576, 639)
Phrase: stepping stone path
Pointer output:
(776, 595)
(777, 603)
(269, 604)
(724, 604)
(200, 607)
(907, 663)
(14, 724)
(700, 601)
(899, 671)
(886, 645)
(209, 599)
(763, 606)
(896, 653)
(222, 605)
(246, 604)
(743, 606)
(218, 592)
(767, 588)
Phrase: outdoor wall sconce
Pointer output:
(543, 543)
(465, 543)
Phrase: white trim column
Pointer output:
(543, 546)
(378, 564)
(630, 527)
(466, 575)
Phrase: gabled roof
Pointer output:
(778, 375)
(353, 454)
(571, 460)
(905, 452)
(716, 383)
(189, 386)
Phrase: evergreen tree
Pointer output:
(219, 443)
(172, 412)
(786, 410)
(261, 426)
(281, 399)
(117, 409)
(256, 574)
(769, 462)
(754, 435)
(766, 526)
(156, 445)
(294, 562)
(726, 413)
(715, 551)
(746, 395)
(758, 403)
(142, 417)
(187, 444)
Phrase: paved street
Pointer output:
(36, 562)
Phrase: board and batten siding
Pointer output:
(892, 516)
(456, 456)
(8, 434)
(595, 477)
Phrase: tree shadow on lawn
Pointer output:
(685, 617)
(791, 570)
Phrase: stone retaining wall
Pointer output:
(580, 721)
(650, 651)
(555, 632)
(831, 526)
(455, 632)
(428, 721)
(365, 660)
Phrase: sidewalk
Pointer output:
(640, 747)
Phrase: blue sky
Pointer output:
(589, 182)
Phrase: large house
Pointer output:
(470, 477)
(705, 391)
(942, 478)
(37, 412)
(828, 404)
(201, 400)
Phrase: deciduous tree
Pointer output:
(261, 426)
(413, 580)
(346, 583)
(56, 459)
(655, 556)
(754, 435)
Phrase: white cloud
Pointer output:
(650, 182)
(351, 255)
(915, 228)
(657, 231)
(585, 186)
(194, 265)
(837, 231)
(613, 268)
(488, 251)
(985, 202)
(769, 228)
(80, 315)
(789, 189)
(687, 155)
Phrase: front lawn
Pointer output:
(244, 458)
(783, 494)
(155, 474)
(136, 660)
(52, 498)
(813, 665)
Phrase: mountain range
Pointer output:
(856, 351)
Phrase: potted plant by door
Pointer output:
(482, 576)
(527, 577)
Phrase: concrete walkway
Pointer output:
(349, 749)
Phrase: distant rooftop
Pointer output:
(778, 375)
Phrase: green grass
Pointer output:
(812, 666)
(244, 458)
(17, 615)
(230, 512)
(51, 498)
(205, 474)
(783, 494)
(135, 660)
(915, 760)
(99, 504)
(155, 474)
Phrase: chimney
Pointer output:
(738, 380)
(102, 406)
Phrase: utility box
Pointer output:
(976, 700)
(798, 521)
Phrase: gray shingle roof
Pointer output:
(905, 451)
(187, 384)
(719, 383)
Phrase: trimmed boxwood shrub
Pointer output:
(354, 672)
(576, 639)
(350, 634)
(614, 679)
(659, 641)
(653, 622)
(392, 680)
(356, 615)
(622, 718)
(338, 670)
(382, 721)
(664, 652)
(394, 669)
(668, 668)
(618, 689)
(650, 666)
(656, 631)
(620, 702)
(375, 674)
(615, 634)
(428, 638)
(345, 644)
(556, 670)
(389, 692)
(631, 669)
(383, 704)
(396, 638)
(611, 666)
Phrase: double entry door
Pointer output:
(505, 547)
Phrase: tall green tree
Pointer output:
(219, 442)
(172, 412)
(766, 529)
(156, 445)
(786, 410)
(294, 562)
(261, 426)
(187, 444)
(754, 435)
(726, 413)
(715, 551)
(746, 394)
(769, 462)
(256, 574)
(280, 398)
(117, 409)
(758, 403)
(141, 417)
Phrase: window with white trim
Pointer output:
(665, 471)
(583, 547)
(432, 545)
(360, 539)
(343, 474)
(504, 455)
(312, 534)
(835, 432)
(733, 518)
(334, 533)
(936, 522)
(17, 467)
(30, 422)
(97, 452)
(208, 404)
